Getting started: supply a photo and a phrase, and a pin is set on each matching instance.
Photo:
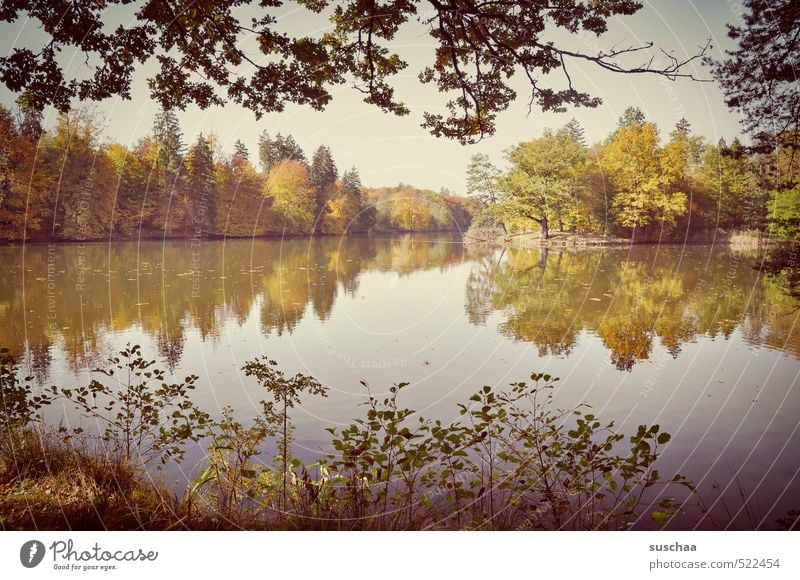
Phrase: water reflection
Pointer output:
(632, 297)
(69, 298)
(66, 300)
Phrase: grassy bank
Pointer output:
(511, 461)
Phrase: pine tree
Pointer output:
(201, 188)
(576, 132)
(322, 175)
(169, 138)
(630, 117)
(239, 150)
(286, 149)
(168, 169)
(264, 151)
(682, 127)
(271, 151)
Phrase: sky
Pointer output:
(388, 150)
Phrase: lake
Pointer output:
(696, 338)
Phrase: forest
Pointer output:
(69, 184)
(637, 185)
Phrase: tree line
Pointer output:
(69, 184)
(634, 185)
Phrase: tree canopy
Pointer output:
(760, 77)
(634, 185)
(203, 56)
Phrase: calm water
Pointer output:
(695, 339)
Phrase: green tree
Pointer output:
(272, 151)
(576, 132)
(322, 174)
(784, 215)
(166, 158)
(539, 185)
(729, 179)
(285, 393)
(201, 187)
(240, 152)
(631, 117)
(482, 178)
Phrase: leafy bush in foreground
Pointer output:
(510, 460)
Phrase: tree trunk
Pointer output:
(545, 230)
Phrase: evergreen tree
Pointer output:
(239, 150)
(272, 151)
(264, 151)
(169, 139)
(575, 131)
(322, 175)
(167, 170)
(682, 127)
(630, 117)
(286, 149)
(201, 186)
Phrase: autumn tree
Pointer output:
(13, 198)
(680, 166)
(241, 208)
(632, 162)
(199, 52)
(274, 150)
(80, 175)
(292, 196)
(133, 207)
(30, 118)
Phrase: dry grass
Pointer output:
(49, 484)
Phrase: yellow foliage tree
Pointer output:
(292, 196)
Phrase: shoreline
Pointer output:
(566, 240)
(212, 238)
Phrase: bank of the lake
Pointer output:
(494, 236)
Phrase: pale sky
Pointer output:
(388, 149)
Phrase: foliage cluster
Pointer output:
(632, 184)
